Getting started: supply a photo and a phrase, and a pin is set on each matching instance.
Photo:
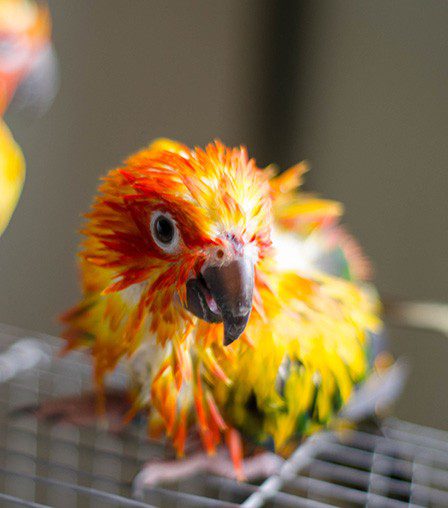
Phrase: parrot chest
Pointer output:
(144, 364)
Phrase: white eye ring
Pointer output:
(165, 232)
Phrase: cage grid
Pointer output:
(387, 464)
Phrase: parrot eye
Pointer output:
(164, 231)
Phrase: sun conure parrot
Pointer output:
(236, 301)
(28, 77)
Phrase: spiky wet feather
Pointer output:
(315, 323)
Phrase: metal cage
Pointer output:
(392, 464)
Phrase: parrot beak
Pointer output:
(38, 88)
(224, 294)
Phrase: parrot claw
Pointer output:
(157, 472)
(82, 410)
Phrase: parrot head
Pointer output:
(190, 226)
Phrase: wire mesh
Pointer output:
(394, 464)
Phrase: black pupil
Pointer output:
(164, 230)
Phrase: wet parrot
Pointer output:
(238, 304)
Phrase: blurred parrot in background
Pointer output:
(238, 303)
(28, 78)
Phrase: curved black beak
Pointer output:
(224, 294)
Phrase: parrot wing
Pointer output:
(312, 224)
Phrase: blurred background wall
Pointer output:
(357, 88)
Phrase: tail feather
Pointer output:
(378, 393)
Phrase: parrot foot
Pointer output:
(82, 410)
(157, 472)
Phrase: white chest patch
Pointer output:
(294, 253)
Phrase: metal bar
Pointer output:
(62, 467)
(173, 495)
(243, 488)
(342, 493)
(419, 477)
(293, 501)
(376, 479)
(114, 498)
(361, 440)
(331, 471)
(21, 502)
(362, 459)
(416, 434)
(298, 460)
(21, 332)
(415, 428)
(73, 444)
(158, 449)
